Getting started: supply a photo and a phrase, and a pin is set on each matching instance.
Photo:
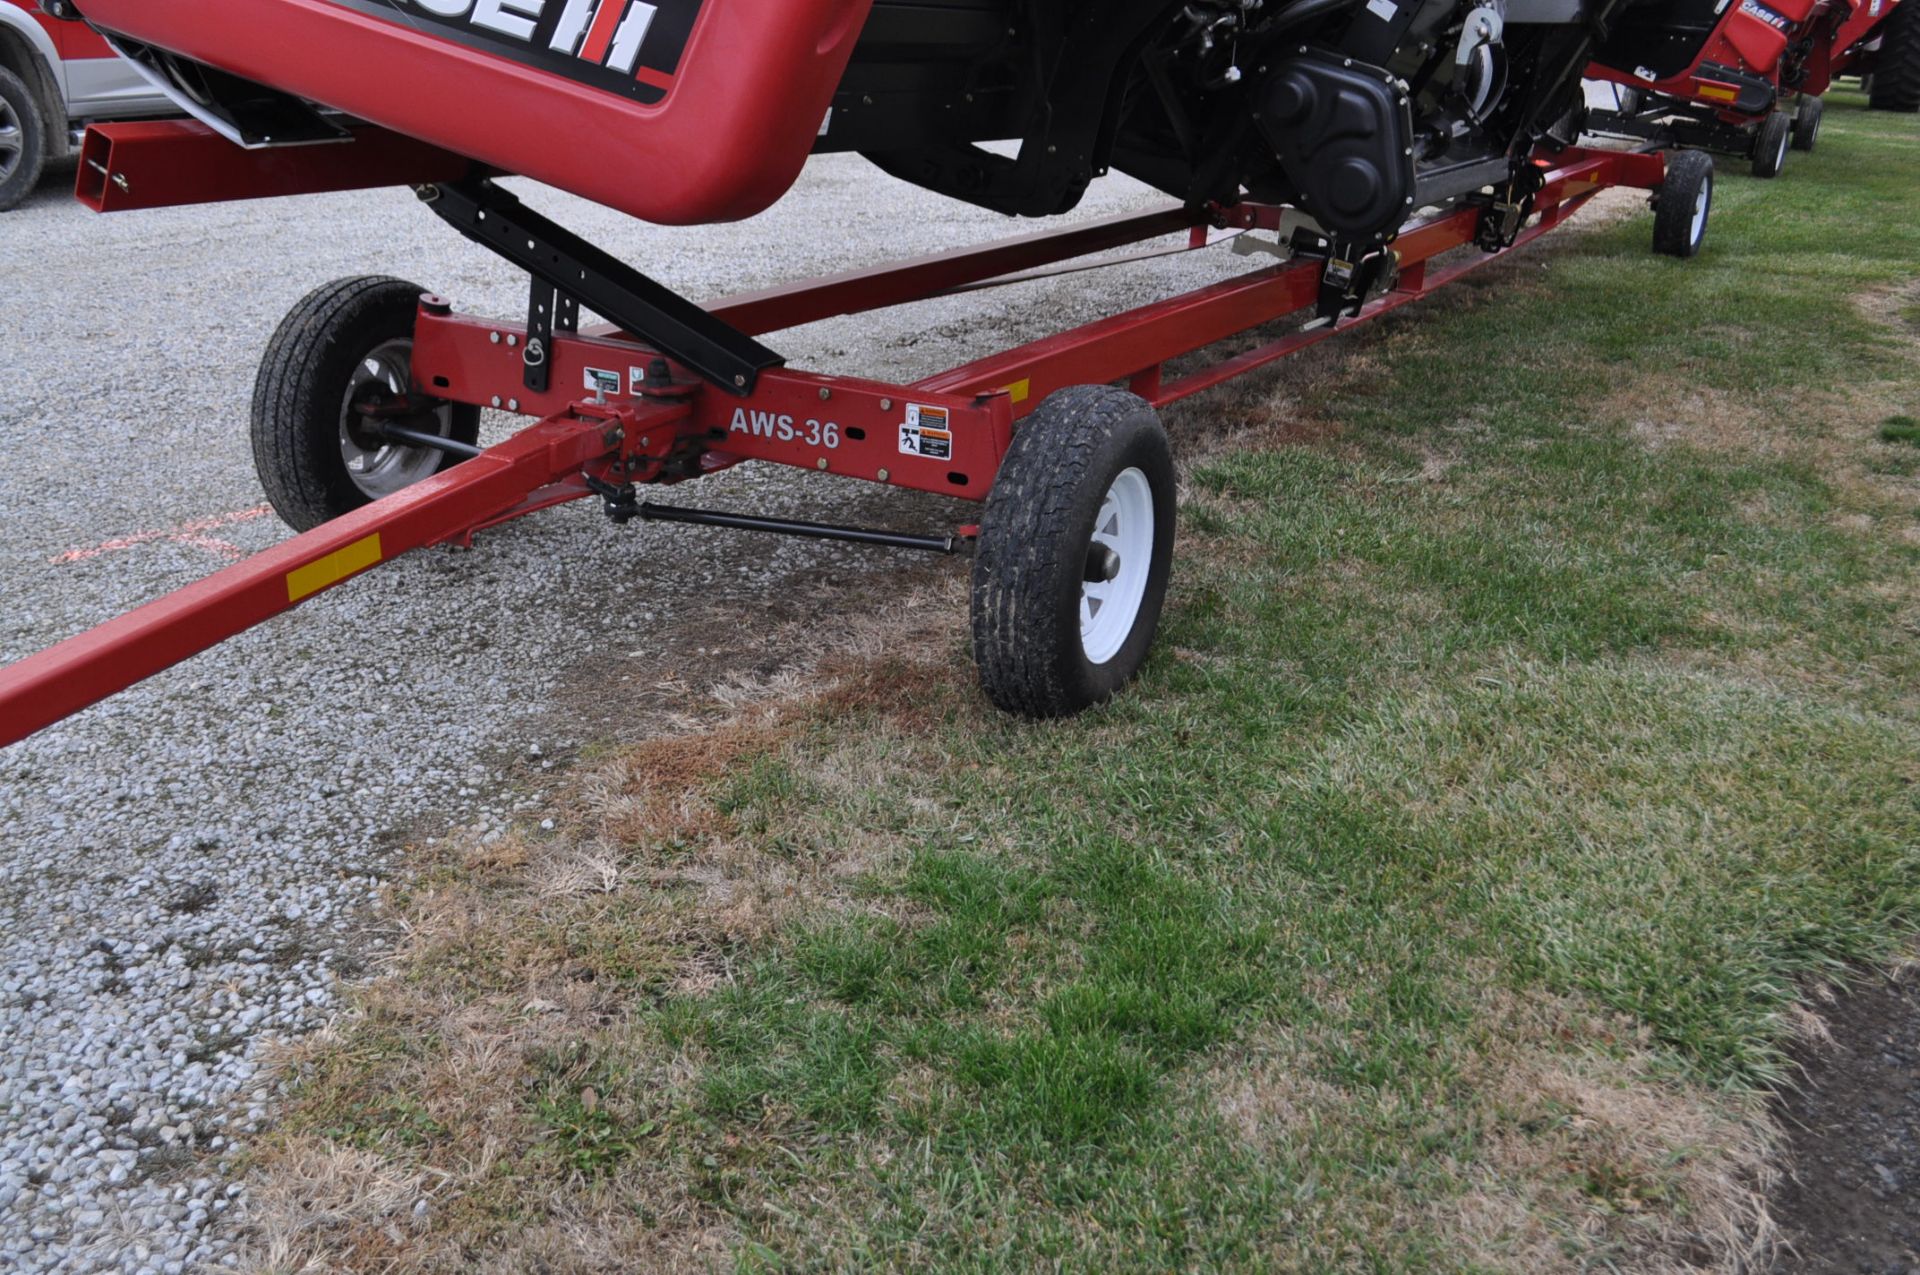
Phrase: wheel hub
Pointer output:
(1119, 557)
(1103, 564)
(381, 381)
(13, 141)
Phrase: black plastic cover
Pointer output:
(1342, 136)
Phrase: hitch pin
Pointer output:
(118, 179)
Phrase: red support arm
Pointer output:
(166, 163)
(62, 680)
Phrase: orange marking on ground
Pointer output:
(193, 532)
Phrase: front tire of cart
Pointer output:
(1806, 123)
(1076, 546)
(347, 347)
(1683, 205)
(1770, 146)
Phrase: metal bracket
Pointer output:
(570, 272)
(1353, 274)
(548, 311)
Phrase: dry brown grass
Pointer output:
(1587, 1151)
(408, 1138)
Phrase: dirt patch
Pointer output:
(1852, 1202)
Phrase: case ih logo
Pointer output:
(1778, 21)
(631, 46)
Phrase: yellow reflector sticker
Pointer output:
(1021, 391)
(333, 568)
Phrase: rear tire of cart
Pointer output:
(1895, 84)
(1683, 204)
(23, 140)
(1075, 548)
(1771, 144)
(1806, 123)
(346, 345)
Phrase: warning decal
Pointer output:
(926, 433)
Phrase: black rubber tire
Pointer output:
(1030, 563)
(1896, 67)
(1806, 123)
(300, 394)
(24, 105)
(1688, 174)
(1770, 146)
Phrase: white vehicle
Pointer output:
(55, 78)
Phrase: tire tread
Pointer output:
(1896, 70)
(1019, 577)
(33, 147)
(1673, 217)
(296, 395)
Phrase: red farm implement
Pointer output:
(616, 414)
(1747, 78)
(1374, 152)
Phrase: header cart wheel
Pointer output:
(1683, 204)
(1806, 124)
(345, 349)
(1075, 549)
(23, 139)
(1770, 147)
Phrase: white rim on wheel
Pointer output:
(1700, 211)
(1780, 156)
(1109, 608)
(379, 469)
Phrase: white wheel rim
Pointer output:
(1700, 210)
(1780, 156)
(384, 468)
(1109, 609)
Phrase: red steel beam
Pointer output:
(1134, 345)
(167, 163)
(63, 679)
(922, 278)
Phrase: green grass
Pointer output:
(1512, 764)
(1900, 429)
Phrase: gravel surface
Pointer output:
(186, 870)
(1852, 1206)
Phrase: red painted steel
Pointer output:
(901, 283)
(829, 424)
(166, 163)
(62, 680)
(665, 429)
(1131, 346)
(1756, 39)
(729, 138)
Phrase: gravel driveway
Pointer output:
(186, 870)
